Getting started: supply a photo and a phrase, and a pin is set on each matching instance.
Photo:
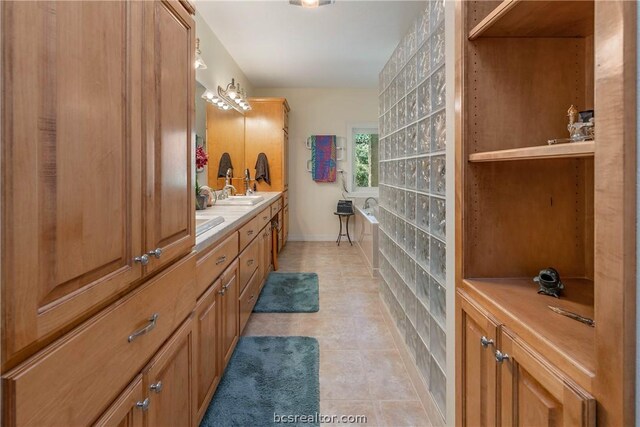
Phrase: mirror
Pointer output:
(219, 132)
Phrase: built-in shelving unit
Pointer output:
(521, 208)
(558, 151)
(528, 315)
(542, 18)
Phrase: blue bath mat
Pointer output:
(289, 293)
(267, 378)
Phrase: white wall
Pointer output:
(318, 112)
(221, 68)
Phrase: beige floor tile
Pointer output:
(386, 375)
(355, 408)
(342, 376)
(408, 413)
(373, 334)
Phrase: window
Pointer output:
(363, 156)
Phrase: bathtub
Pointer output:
(367, 236)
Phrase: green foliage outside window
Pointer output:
(365, 147)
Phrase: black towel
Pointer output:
(224, 165)
(262, 169)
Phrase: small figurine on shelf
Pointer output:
(549, 281)
(581, 126)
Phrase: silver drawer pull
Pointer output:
(501, 357)
(157, 387)
(225, 287)
(486, 341)
(144, 259)
(265, 217)
(222, 292)
(221, 259)
(156, 253)
(152, 324)
(143, 404)
(250, 263)
(252, 296)
(249, 233)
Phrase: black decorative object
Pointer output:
(549, 281)
(345, 207)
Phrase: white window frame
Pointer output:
(352, 189)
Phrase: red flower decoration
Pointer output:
(201, 158)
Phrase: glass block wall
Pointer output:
(412, 194)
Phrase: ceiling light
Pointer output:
(311, 4)
(199, 62)
(208, 95)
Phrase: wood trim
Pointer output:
(615, 211)
(189, 6)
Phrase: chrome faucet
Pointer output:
(247, 182)
(366, 202)
(225, 192)
(227, 177)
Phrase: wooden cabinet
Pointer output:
(248, 299)
(230, 311)
(208, 346)
(169, 84)
(71, 192)
(266, 127)
(249, 262)
(503, 381)
(285, 225)
(170, 382)
(128, 408)
(533, 393)
(213, 263)
(476, 377)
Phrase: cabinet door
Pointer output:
(169, 381)
(285, 160)
(207, 334)
(477, 334)
(285, 225)
(71, 222)
(533, 393)
(230, 311)
(127, 410)
(169, 48)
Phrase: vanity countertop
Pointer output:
(234, 217)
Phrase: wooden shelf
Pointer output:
(566, 342)
(543, 18)
(558, 151)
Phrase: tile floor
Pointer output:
(361, 369)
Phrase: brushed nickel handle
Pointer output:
(249, 233)
(143, 404)
(501, 357)
(225, 287)
(486, 342)
(221, 259)
(144, 259)
(156, 253)
(157, 387)
(250, 263)
(152, 324)
(222, 292)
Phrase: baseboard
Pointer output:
(312, 238)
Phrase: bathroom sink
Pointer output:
(240, 201)
(205, 224)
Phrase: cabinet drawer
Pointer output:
(285, 196)
(249, 262)
(212, 264)
(74, 380)
(276, 207)
(248, 299)
(264, 218)
(248, 232)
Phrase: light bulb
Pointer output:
(232, 94)
(310, 3)
(225, 107)
(239, 101)
(208, 95)
(245, 107)
(220, 103)
(199, 64)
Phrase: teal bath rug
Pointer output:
(289, 293)
(268, 378)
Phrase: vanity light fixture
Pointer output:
(311, 4)
(199, 62)
(233, 96)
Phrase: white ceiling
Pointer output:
(341, 45)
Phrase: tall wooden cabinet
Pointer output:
(97, 205)
(267, 131)
(169, 84)
(523, 205)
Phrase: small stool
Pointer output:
(340, 234)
